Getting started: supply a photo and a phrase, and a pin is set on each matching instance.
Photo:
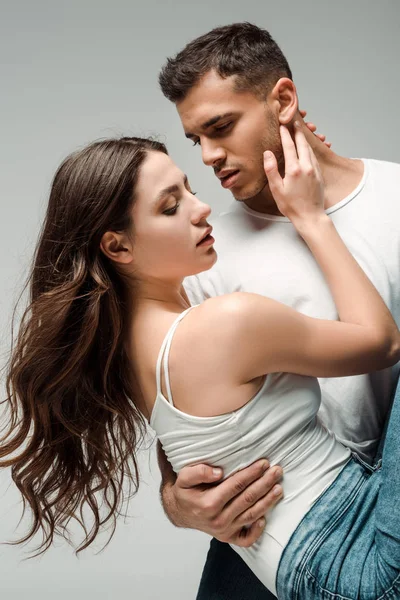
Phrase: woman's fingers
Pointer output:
(302, 146)
(312, 127)
(289, 149)
(275, 181)
(315, 165)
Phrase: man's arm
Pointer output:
(232, 511)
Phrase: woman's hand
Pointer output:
(313, 128)
(299, 195)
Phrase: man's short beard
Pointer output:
(250, 195)
(262, 183)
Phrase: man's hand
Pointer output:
(232, 511)
(313, 129)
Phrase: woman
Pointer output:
(95, 358)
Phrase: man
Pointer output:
(233, 89)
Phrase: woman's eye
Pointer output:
(172, 210)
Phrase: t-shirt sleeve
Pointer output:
(206, 285)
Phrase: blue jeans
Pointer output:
(347, 547)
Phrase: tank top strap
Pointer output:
(163, 356)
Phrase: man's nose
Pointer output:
(212, 153)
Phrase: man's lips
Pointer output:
(225, 173)
(228, 177)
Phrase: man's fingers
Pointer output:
(246, 536)
(255, 500)
(196, 475)
(260, 508)
(236, 484)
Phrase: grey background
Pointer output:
(76, 71)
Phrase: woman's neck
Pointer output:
(172, 296)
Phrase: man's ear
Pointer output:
(117, 247)
(284, 97)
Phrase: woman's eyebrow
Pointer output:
(172, 189)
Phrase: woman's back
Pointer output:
(279, 422)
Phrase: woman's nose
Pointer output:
(202, 211)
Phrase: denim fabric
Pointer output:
(227, 577)
(347, 547)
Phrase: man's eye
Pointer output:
(196, 143)
(223, 127)
(172, 210)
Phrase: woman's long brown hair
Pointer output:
(73, 426)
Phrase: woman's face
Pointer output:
(171, 236)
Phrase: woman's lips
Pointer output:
(207, 241)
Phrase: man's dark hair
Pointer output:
(240, 49)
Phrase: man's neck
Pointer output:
(341, 176)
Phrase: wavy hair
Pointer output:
(73, 426)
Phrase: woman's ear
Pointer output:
(117, 247)
(284, 95)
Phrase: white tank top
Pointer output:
(279, 423)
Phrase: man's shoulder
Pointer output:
(209, 284)
(382, 168)
(382, 184)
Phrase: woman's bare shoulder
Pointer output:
(204, 357)
(229, 313)
(216, 326)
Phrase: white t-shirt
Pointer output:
(263, 254)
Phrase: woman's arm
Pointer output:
(267, 336)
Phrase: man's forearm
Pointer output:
(232, 511)
(168, 479)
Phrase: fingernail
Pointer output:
(265, 466)
(217, 472)
(267, 155)
(297, 124)
(278, 472)
(261, 523)
(277, 491)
